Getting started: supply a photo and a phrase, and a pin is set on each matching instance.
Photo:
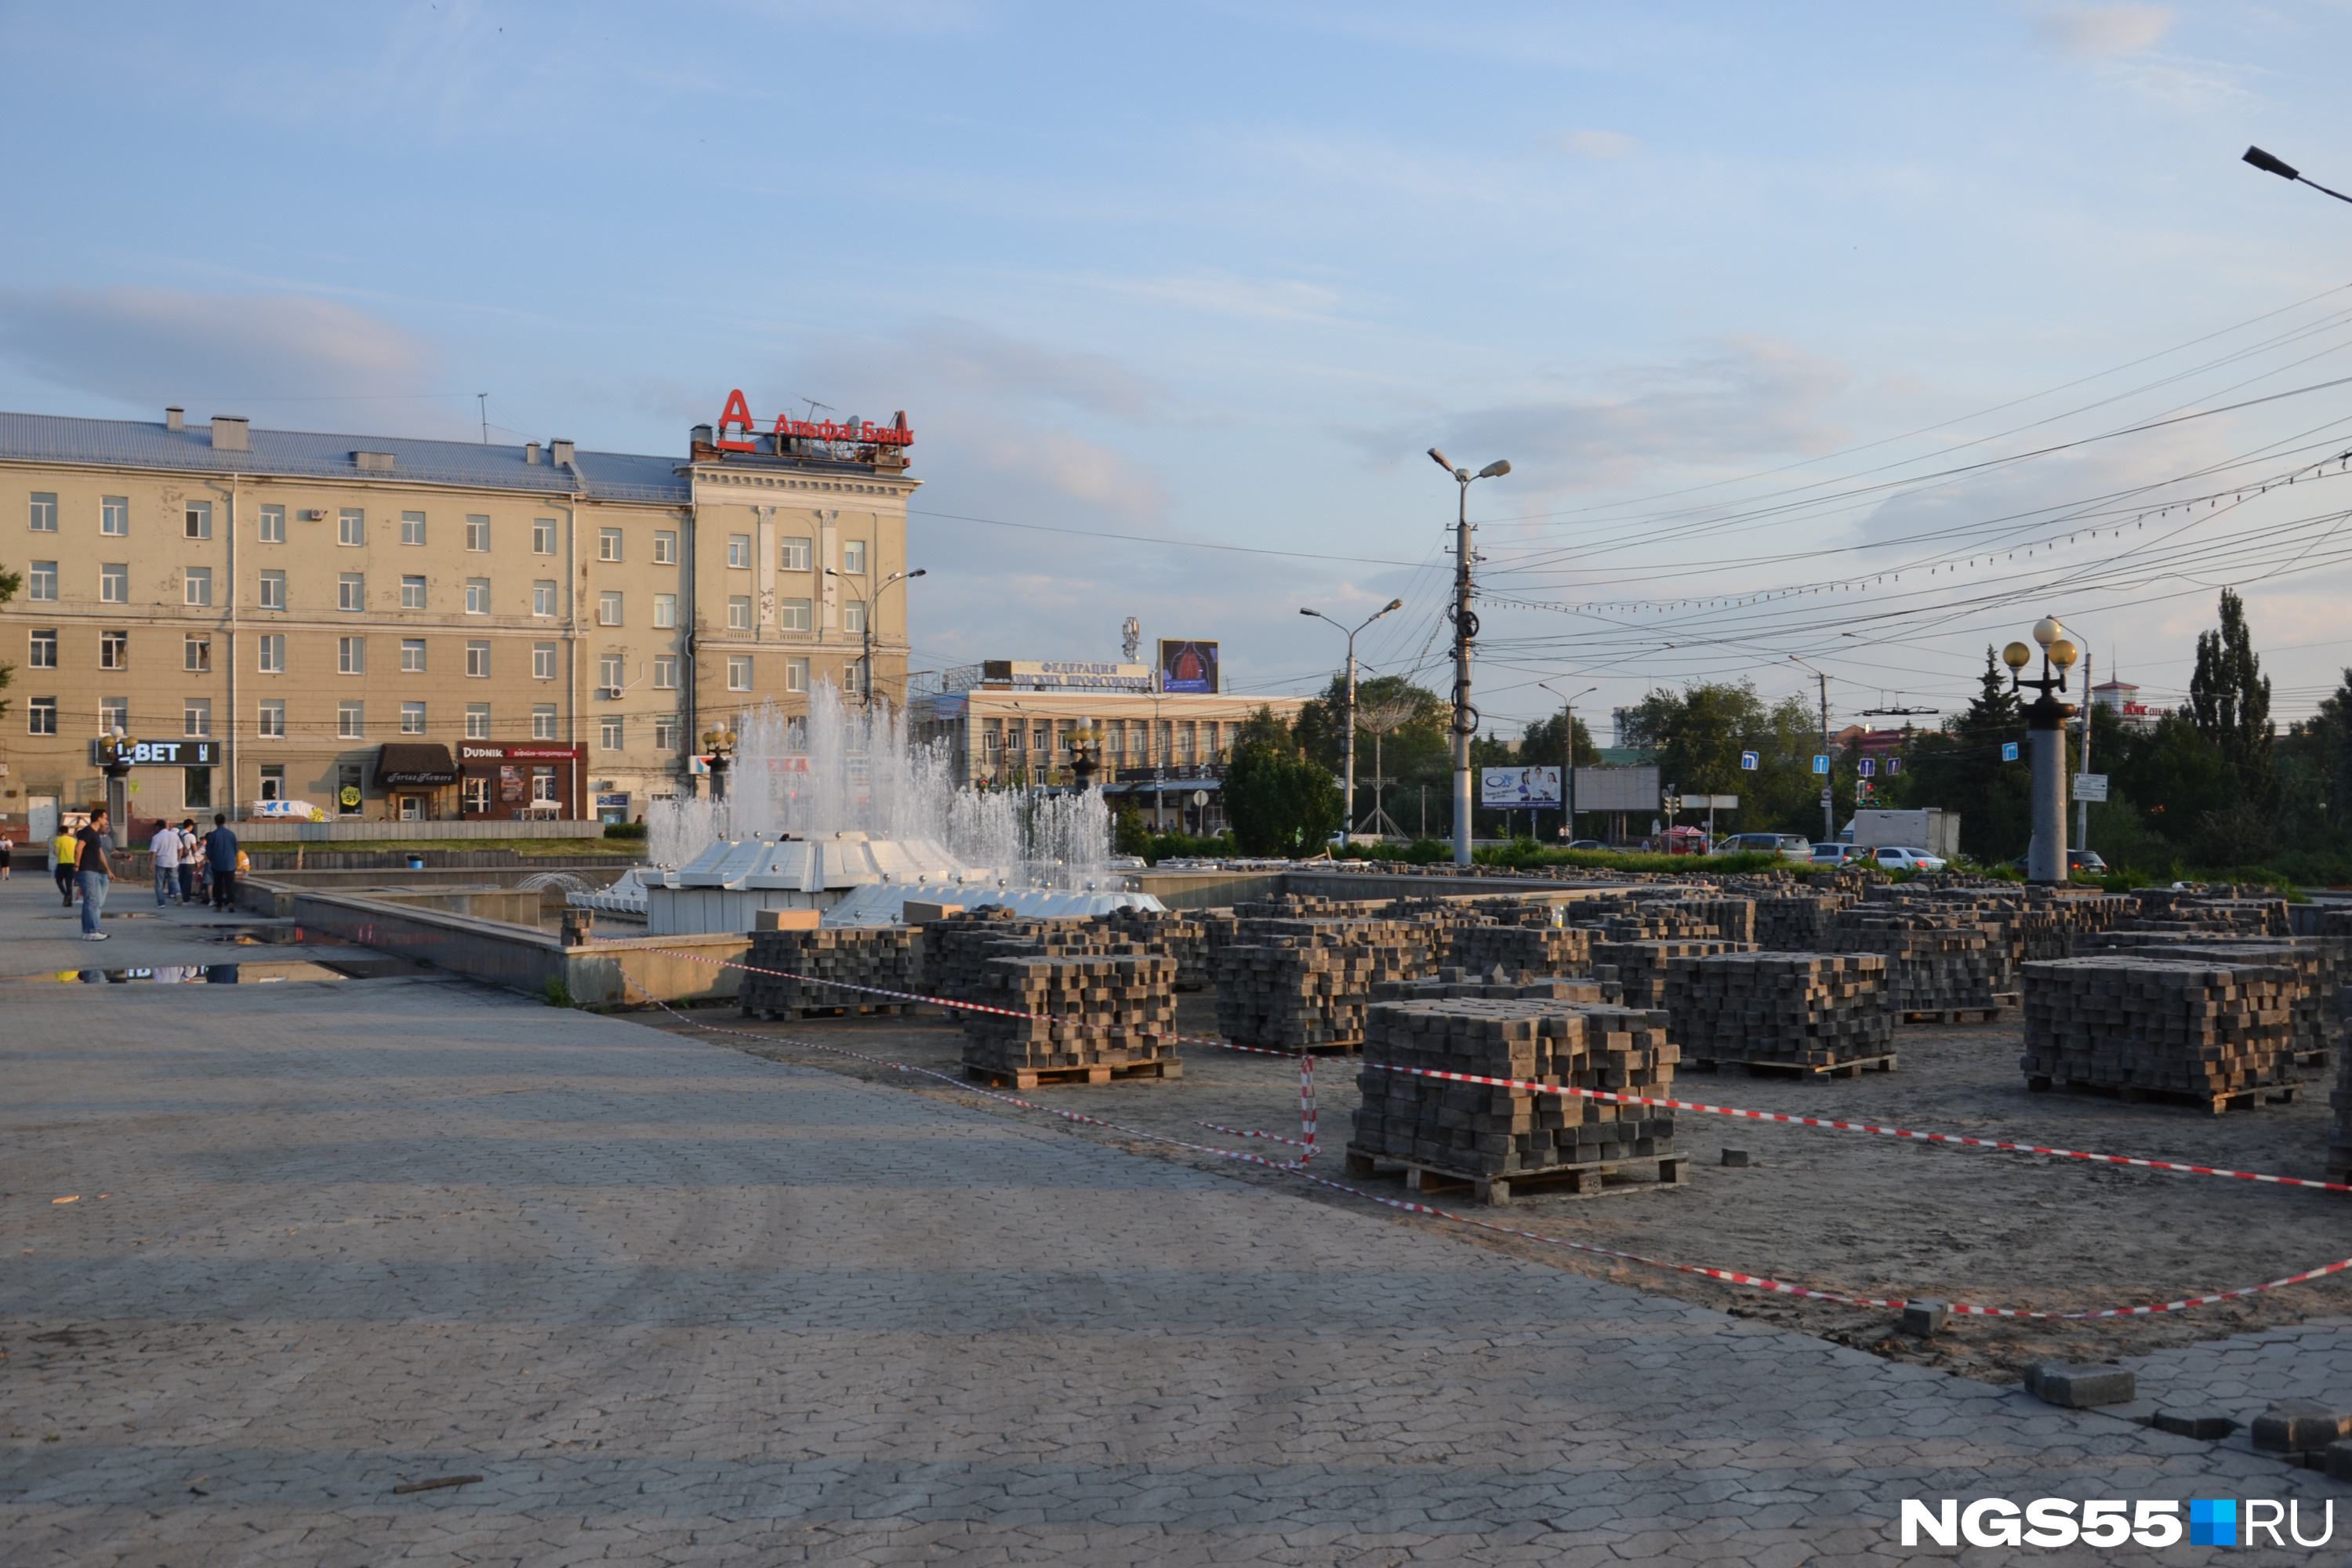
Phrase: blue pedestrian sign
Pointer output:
(2008, 751)
(1748, 760)
(1821, 765)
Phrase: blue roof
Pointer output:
(135, 443)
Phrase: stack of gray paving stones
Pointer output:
(1478, 1130)
(1796, 922)
(1793, 1009)
(785, 970)
(1933, 962)
(2208, 1030)
(1306, 984)
(1180, 936)
(1642, 967)
(1112, 1009)
(1502, 983)
(1521, 949)
(957, 950)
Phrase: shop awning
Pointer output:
(415, 764)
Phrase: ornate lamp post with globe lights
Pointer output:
(2045, 732)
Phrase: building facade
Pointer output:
(408, 629)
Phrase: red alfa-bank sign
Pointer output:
(738, 420)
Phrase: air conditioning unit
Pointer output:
(314, 515)
(609, 693)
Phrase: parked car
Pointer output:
(2079, 863)
(1588, 844)
(1788, 846)
(1836, 854)
(1889, 858)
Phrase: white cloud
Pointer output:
(1590, 143)
(2095, 32)
(960, 361)
(158, 345)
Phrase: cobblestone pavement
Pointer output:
(673, 1304)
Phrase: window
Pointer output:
(610, 675)
(665, 609)
(666, 672)
(477, 534)
(665, 547)
(793, 555)
(273, 781)
(197, 654)
(350, 591)
(793, 614)
(608, 609)
(542, 597)
(45, 650)
(350, 721)
(351, 526)
(114, 713)
(273, 590)
(45, 582)
(608, 544)
(273, 719)
(739, 551)
(666, 732)
(478, 659)
(852, 555)
(738, 614)
(542, 721)
(411, 593)
(351, 656)
(273, 653)
(196, 717)
(41, 716)
(542, 661)
(197, 518)
(478, 595)
(478, 721)
(273, 532)
(608, 733)
(796, 675)
(477, 792)
(412, 655)
(542, 784)
(45, 511)
(114, 650)
(1015, 734)
(199, 586)
(196, 788)
(853, 617)
(113, 582)
(412, 528)
(543, 536)
(412, 718)
(739, 674)
(1114, 737)
(992, 736)
(114, 515)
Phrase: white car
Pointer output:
(1894, 859)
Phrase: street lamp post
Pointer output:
(1829, 781)
(1567, 758)
(1466, 631)
(2045, 731)
(2285, 171)
(720, 745)
(1348, 745)
(866, 617)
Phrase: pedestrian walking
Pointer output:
(220, 857)
(94, 874)
(165, 847)
(191, 859)
(63, 849)
(6, 857)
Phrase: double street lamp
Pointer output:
(866, 620)
(2045, 732)
(1348, 744)
(1567, 758)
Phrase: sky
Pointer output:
(1768, 307)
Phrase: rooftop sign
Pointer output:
(1053, 675)
(856, 432)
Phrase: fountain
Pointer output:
(839, 812)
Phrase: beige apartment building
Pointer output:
(423, 630)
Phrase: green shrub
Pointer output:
(558, 994)
(624, 830)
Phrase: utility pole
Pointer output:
(2083, 807)
(1829, 791)
(1348, 741)
(1466, 631)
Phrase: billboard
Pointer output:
(1188, 666)
(1509, 787)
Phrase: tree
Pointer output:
(1400, 732)
(2316, 769)
(2179, 775)
(2230, 702)
(9, 583)
(1698, 734)
(1541, 746)
(1280, 801)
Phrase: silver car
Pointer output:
(1893, 859)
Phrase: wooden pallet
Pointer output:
(1050, 1078)
(1951, 1015)
(849, 1010)
(1853, 1067)
(2133, 1094)
(1674, 1170)
(2312, 1058)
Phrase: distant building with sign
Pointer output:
(2121, 698)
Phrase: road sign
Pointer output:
(1200, 797)
(1894, 767)
(1749, 761)
(2008, 751)
(1710, 802)
(2091, 788)
(1868, 767)
(1821, 765)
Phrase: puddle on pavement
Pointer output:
(222, 974)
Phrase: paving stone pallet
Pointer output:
(1641, 967)
(1532, 949)
(1809, 1010)
(1500, 982)
(956, 951)
(1084, 1019)
(1934, 964)
(1796, 922)
(1300, 992)
(1500, 1139)
(887, 958)
(1181, 937)
(2209, 1032)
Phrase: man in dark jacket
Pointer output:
(220, 860)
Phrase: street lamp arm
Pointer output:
(2285, 171)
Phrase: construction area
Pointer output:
(2195, 1027)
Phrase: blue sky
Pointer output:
(1214, 276)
